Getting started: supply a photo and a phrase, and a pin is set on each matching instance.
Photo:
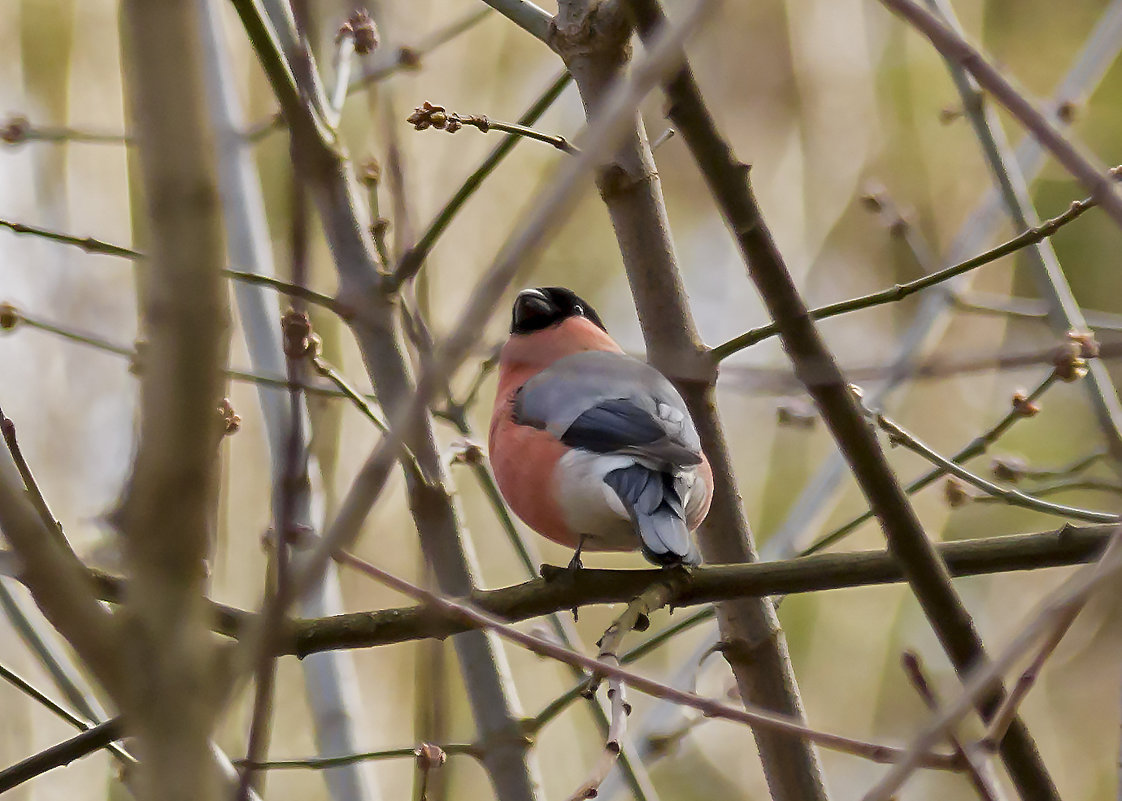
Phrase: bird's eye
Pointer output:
(578, 309)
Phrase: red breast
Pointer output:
(523, 457)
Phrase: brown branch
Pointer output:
(78, 746)
(167, 512)
(898, 292)
(913, 668)
(636, 617)
(757, 719)
(728, 180)
(594, 40)
(55, 576)
(1065, 546)
(1068, 599)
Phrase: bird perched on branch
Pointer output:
(592, 448)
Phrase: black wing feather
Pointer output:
(613, 425)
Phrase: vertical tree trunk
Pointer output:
(594, 41)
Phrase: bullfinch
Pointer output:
(593, 448)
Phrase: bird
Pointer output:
(592, 448)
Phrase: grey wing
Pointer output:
(611, 403)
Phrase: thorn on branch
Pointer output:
(949, 114)
(409, 58)
(796, 413)
(1023, 406)
(1067, 111)
(136, 361)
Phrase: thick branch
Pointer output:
(531, 599)
(728, 180)
(594, 40)
(169, 505)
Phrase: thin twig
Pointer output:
(636, 617)
(57, 756)
(98, 246)
(1008, 710)
(1025, 308)
(901, 291)
(89, 244)
(983, 785)
(324, 763)
(27, 688)
(976, 446)
(343, 56)
(414, 258)
(438, 118)
(1056, 487)
(899, 436)
(17, 130)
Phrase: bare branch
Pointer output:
(98, 246)
(438, 118)
(954, 48)
(326, 763)
(526, 16)
(983, 784)
(1068, 599)
(900, 291)
(729, 182)
(636, 617)
(27, 688)
(56, 578)
(899, 436)
(1065, 546)
(414, 258)
(758, 719)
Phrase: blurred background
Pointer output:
(831, 101)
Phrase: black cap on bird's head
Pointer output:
(535, 309)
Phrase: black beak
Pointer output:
(531, 307)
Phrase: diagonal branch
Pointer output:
(729, 182)
(1030, 236)
(957, 50)
(1065, 314)
(57, 579)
